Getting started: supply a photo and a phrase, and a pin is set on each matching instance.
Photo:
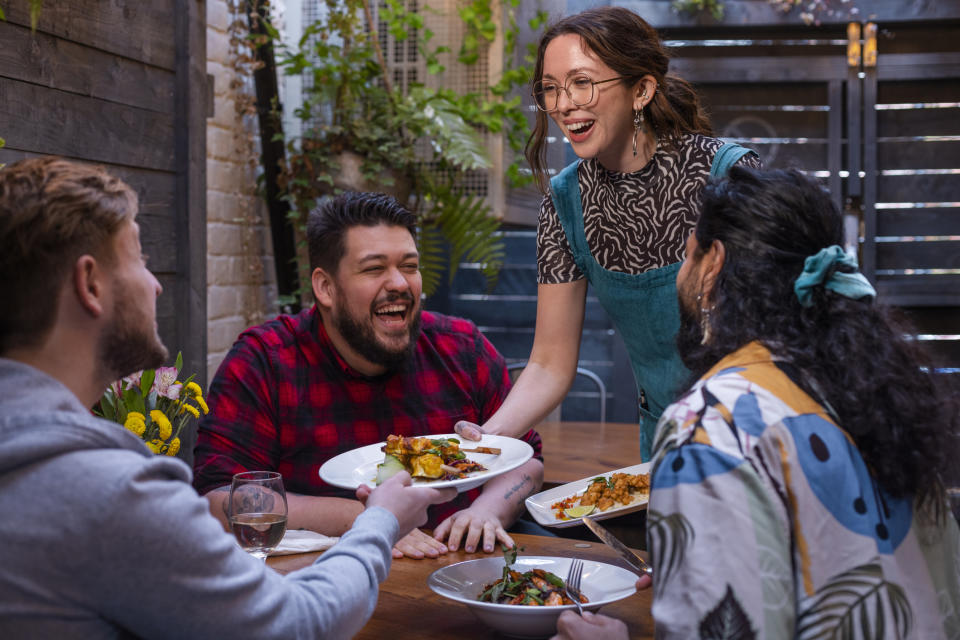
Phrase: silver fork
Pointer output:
(572, 584)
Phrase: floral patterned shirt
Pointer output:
(765, 522)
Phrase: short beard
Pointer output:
(125, 347)
(689, 336)
(362, 339)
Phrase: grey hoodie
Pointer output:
(102, 539)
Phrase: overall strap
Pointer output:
(565, 189)
(565, 194)
(726, 157)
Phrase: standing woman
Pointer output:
(618, 217)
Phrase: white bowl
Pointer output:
(601, 584)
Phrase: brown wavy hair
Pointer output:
(626, 43)
(52, 211)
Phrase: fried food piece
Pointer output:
(430, 458)
(428, 465)
(605, 493)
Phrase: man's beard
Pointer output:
(129, 343)
(362, 339)
(690, 334)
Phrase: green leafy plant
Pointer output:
(713, 7)
(415, 141)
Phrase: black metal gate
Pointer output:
(873, 110)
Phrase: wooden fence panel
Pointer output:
(123, 84)
(54, 122)
(45, 60)
(141, 30)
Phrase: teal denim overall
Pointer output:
(643, 306)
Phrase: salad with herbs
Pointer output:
(535, 588)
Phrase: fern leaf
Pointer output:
(432, 258)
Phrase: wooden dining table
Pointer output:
(575, 450)
(408, 610)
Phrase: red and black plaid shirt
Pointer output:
(285, 400)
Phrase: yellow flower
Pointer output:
(191, 410)
(136, 422)
(166, 429)
(174, 447)
(155, 445)
(194, 390)
(136, 427)
(203, 405)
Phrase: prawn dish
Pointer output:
(428, 458)
(620, 489)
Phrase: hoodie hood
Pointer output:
(40, 419)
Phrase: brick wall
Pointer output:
(241, 279)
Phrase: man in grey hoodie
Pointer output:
(102, 539)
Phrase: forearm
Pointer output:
(504, 496)
(538, 390)
(329, 516)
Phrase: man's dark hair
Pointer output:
(851, 353)
(328, 224)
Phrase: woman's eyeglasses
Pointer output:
(546, 93)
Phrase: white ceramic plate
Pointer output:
(351, 469)
(539, 504)
(464, 581)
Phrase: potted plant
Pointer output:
(361, 132)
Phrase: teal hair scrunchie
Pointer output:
(815, 272)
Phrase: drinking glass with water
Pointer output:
(257, 511)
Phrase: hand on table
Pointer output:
(571, 626)
(476, 522)
(418, 545)
(409, 505)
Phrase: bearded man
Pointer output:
(102, 538)
(363, 363)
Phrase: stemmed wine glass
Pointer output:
(257, 511)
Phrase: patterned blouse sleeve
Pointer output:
(555, 263)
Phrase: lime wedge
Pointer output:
(579, 512)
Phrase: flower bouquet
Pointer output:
(154, 405)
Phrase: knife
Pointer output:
(608, 539)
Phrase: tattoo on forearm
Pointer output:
(517, 488)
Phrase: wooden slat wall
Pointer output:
(123, 85)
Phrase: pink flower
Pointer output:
(165, 383)
(133, 380)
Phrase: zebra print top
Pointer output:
(634, 222)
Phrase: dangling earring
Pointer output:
(704, 320)
(638, 123)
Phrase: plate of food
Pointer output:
(610, 494)
(442, 460)
(537, 580)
